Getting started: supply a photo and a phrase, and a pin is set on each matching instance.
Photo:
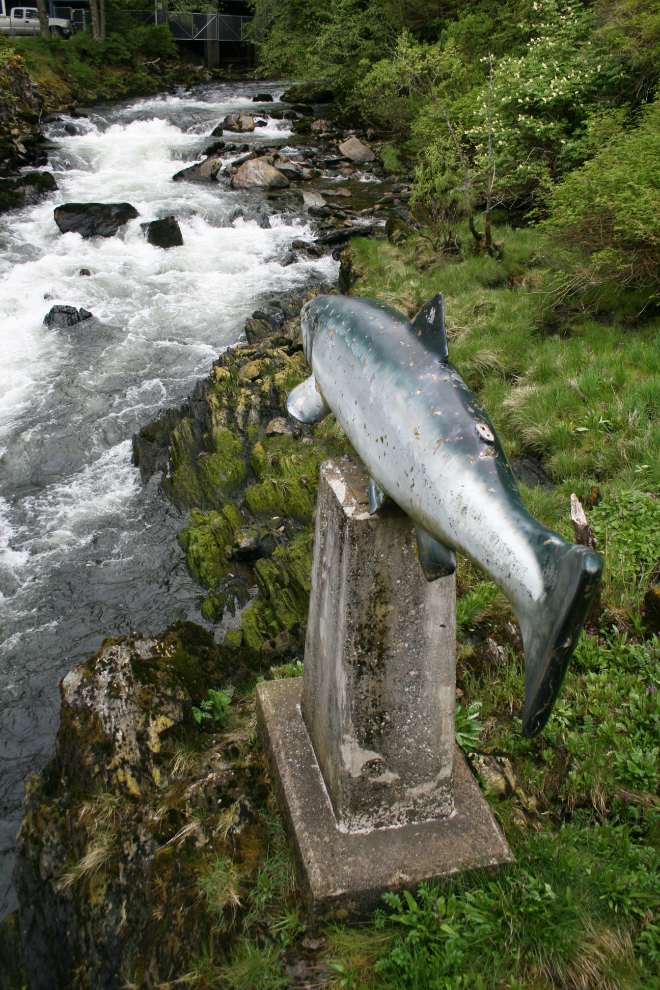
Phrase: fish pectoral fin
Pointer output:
(437, 560)
(305, 402)
(376, 497)
(429, 325)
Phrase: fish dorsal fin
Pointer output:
(429, 326)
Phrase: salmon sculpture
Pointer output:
(429, 445)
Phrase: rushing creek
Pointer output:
(85, 550)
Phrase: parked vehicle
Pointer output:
(25, 20)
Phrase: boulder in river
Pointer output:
(213, 149)
(164, 233)
(262, 98)
(321, 125)
(238, 122)
(94, 219)
(217, 131)
(26, 188)
(258, 173)
(206, 171)
(356, 151)
(65, 316)
(312, 198)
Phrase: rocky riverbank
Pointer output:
(145, 818)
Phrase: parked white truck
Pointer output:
(25, 20)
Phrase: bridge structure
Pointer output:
(224, 36)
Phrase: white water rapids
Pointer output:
(85, 550)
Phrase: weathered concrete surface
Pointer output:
(345, 874)
(380, 662)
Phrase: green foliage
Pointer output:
(481, 603)
(627, 524)
(467, 726)
(309, 39)
(609, 211)
(217, 707)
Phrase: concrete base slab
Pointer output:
(345, 874)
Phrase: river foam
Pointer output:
(85, 550)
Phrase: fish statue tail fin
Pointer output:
(306, 404)
(429, 325)
(552, 630)
(437, 560)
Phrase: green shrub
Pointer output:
(609, 210)
(155, 41)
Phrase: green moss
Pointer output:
(284, 585)
(287, 478)
(205, 538)
(207, 477)
(234, 637)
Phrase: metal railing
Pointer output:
(200, 27)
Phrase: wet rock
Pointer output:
(238, 122)
(254, 543)
(84, 271)
(26, 188)
(94, 219)
(70, 129)
(213, 149)
(292, 172)
(302, 127)
(258, 173)
(164, 233)
(277, 114)
(398, 230)
(12, 971)
(311, 198)
(344, 234)
(289, 258)
(217, 131)
(65, 316)
(321, 125)
(261, 123)
(262, 98)
(201, 172)
(258, 330)
(356, 151)
(308, 247)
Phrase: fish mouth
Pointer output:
(552, 635)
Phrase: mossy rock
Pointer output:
(284, 583)
(206, 478)
(136, 784)
(12, 971)
(206, 539)
(287, 478)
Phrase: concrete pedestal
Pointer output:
(379, 682)
(375, 791)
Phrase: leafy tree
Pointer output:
(609, 209)
(320, 41)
